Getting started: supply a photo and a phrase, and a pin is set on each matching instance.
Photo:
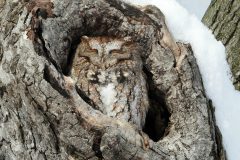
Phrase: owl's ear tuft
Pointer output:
(84, 38)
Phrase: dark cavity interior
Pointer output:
(157, 119)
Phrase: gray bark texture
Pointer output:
(46, 115)
(223, 18)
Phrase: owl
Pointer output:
(108, 70)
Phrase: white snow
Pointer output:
(211, 58)
(108, 96)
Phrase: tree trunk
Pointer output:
(223, 18)
(45, 112)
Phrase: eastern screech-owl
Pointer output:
(109, 71)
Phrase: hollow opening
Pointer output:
(157, 118)
(73, 43)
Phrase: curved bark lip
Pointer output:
(63, 89)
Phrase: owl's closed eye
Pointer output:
(103, 50)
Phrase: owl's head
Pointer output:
(105, 52)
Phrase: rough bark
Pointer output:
(42, 114)
(223, 18)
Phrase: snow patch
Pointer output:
(211, 59)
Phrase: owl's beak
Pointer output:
(102, 59)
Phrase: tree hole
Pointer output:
(157, 118)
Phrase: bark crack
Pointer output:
(97, 143)
(233, 33)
